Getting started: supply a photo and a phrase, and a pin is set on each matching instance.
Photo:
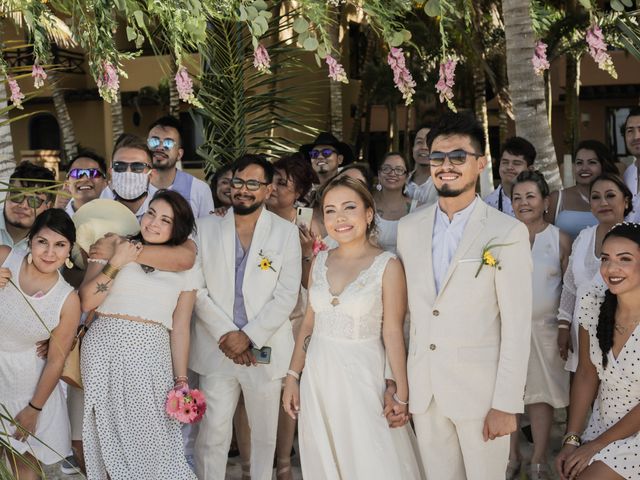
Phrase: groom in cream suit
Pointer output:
(242, 341)
(468, 269)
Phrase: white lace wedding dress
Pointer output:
(342, 432)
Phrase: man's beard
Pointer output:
(448, 192)
(164, 163)
(248, 210)
(18, 224)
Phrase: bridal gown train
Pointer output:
(342, 432)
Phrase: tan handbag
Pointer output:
(71, 370)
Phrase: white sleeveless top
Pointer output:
(149, 296)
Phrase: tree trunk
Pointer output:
(7, 159)
(69, 143)
(572, 104)
(174, 99)
(480, 108)
(407, 146)
(392, 131)
(527, 89)
(366, 138)
(335, 88)
(363, 94)
(117, 124)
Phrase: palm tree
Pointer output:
(64, 119)
(528, 90)
(335, 88)
(7, 159)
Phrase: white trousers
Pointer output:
(455, 450)
(262, 401)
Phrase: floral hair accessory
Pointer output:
(186, 406)
(487, 256)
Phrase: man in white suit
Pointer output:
(468, 269)
(251, 267)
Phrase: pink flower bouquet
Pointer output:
(186, 406)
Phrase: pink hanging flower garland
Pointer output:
(336, 71)
(184, 85)
(447, 81)
(16, 94)
(539, 59)
(39, 75)
(108, 82)
(598, 50)
(261, 59)
(401, 75)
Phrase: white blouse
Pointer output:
(149, 296)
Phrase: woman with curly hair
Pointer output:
(609, 448)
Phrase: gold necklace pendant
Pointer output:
(335, 301)
(620, 329)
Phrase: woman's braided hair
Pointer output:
(606, 319)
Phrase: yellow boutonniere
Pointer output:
(265, 262)
(488, 258)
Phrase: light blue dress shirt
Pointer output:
(446, 238)
(239, 312)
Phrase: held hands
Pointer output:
(25, 422)
(291, 397)
(126, 251)
(397, 415)
(573, 460)
(5, 276)
(564, 342)
(498, 424)
(104, 248)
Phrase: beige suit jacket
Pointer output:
(269, 295)
(469, 343)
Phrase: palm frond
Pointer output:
(246, 111)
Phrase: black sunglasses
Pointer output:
(77, 173)
(135, 167)
(456, 157)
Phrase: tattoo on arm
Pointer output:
(102, 287)
(305, 344)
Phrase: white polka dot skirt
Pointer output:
(127, 372)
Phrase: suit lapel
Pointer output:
(473, 228)
(229, 243)
(426, 232)
(263, 226)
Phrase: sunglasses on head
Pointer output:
(32, 200)
(325, 152)
(135, 167)
(252, 185)
(77, 173)
(155, 142)
(456, 157)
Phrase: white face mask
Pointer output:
(129, 185)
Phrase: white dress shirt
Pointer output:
(500, 200)
(631, 179)
(446, 238)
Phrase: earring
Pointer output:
(29, 258)
(379, 187)
(68, 263)
(546, 211)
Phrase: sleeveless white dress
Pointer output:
(547, 380)
(20, 367)
(342, 432)
(618, 392)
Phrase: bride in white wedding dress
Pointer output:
(352, 426)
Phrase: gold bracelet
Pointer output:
(572, 439)
(110, 271)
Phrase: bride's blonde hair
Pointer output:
(358, 187)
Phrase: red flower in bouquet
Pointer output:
(186, 406)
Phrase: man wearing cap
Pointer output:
(327, 155)
(21, 209)
(165, 142)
